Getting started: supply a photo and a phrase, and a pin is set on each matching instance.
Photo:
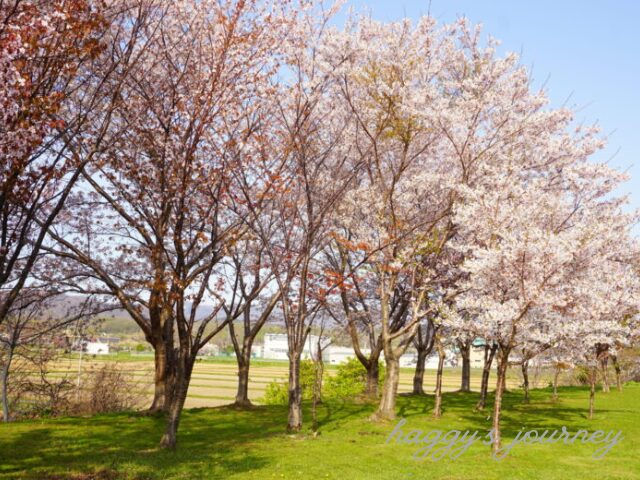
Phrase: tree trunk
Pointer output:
(418, 376)
(525, 377)
(489, 353)
(165, 362)
(423, 342)
(592, 390)
(5, 386)
(605, 374)
(503, 361)
(465, 351)
(437, 409)
(243, 350)
(244, 362)
(160, 377)
(387, 408)
(294, 422)
(616, 366)
(178, 386)
(161, 338)
(556, 375)
(373, 378)
(317, 391)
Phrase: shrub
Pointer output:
(112, 390)
(277, 393)
(350, 379)
(307, 378)
(33, 392)
(582, 375)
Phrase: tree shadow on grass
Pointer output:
(216, 442)
(541, 413)
(127, 445)
(212, 442)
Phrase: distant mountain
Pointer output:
(69, 304)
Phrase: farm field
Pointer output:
(214, 382)
(223, 442)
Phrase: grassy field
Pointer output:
(214, 381)
(217, 443)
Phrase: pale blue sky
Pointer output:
(587, 50)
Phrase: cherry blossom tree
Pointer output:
(318, 169)
(490, 350)
(165, 200)
(249, 279)
(545, 240)
(359, 305)
(46, 49)
(423, 342)
(387, 76)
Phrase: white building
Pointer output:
(336, 355)
(276, 346)
(97, 348)
(451, 359)
(209, 350)
(409, 359)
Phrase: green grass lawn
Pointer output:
(217, 443)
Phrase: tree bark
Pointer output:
(605, 374)
(160, 376)
(178, 386)
(423, 342)
(387, 408)
(489, 354)
(161, 338)
(465, 351)
(525, 377)
(418, 376)
(373, 378)
(503, 361)
(250, 331)
(294, 422)
(592, 391)
(5, 386)
(556, 375)
(616, 366)
(437, 409)
(244, 363)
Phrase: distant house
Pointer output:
(209, 350)
(97, 348)
(408, 359)
(337, 354)
(276, 347)
(451, 359)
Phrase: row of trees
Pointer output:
(402, 179)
